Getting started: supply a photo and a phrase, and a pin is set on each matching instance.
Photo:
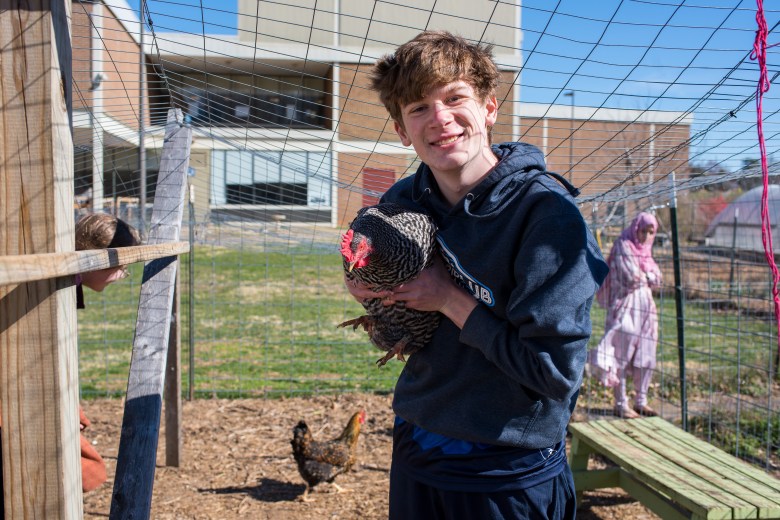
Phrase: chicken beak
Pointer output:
(352, 266)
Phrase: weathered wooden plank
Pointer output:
(15, 270)
(683, 467)
(132, 494)
(172, 394)
(749, 471)
(732, 481)
(687, 469)
(38, 361)
(734, 476)
(654, 500)
(659, 473)
(623, 451)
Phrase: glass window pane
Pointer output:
(266, 166)
(218, 177)
(294, 167)
(319, 192)
(239, 168)
(320, 179)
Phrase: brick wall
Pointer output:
(362, 116)
(82, 56)
(121, 59)
(349, 169)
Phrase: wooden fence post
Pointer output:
(38, 343)
(172, 392)
(134, 480)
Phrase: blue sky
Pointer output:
(216, 16)
(627, 54)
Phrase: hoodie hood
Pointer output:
(518, 164)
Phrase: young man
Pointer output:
(482, 409)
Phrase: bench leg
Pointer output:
(579, 454)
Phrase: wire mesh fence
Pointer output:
(265, 300)
(630, 101)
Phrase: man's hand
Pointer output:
(435, 290)
(362, 292)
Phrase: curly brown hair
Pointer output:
(101, 230)
(430, 60)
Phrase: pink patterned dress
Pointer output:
(628, 347)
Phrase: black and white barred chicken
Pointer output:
(388, 245)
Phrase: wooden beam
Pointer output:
(15, 269)
(172, 395)
(38, 343)
(134, 480)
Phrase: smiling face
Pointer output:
(448, 129)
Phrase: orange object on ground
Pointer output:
(93, 468)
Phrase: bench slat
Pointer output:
(687, 465)
(766, 482)
(626, 452)
(705, 460)
(696, 494)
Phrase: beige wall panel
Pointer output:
(200, 160)
(387, 25)
(292, 21)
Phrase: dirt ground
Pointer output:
(236, 462)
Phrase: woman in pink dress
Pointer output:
(631, 330)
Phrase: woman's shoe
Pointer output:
(625, 412)
(645, 411)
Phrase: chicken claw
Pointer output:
(397, 351)
(367, 322)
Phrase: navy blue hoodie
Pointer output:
(519, 244)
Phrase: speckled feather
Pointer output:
(403, 243)
(320, 461)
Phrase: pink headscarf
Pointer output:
(642, 252)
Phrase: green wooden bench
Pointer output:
(670, 471)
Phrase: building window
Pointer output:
(295, 179)
(252, 102)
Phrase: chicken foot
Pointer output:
(367, 322)
(397, 351)
(306, 498)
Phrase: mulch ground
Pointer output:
(236, 462)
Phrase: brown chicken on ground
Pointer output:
(323, 461)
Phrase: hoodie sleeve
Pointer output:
(542, 343)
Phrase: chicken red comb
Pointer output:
(346, 245)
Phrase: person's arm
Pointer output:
(543, 342)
